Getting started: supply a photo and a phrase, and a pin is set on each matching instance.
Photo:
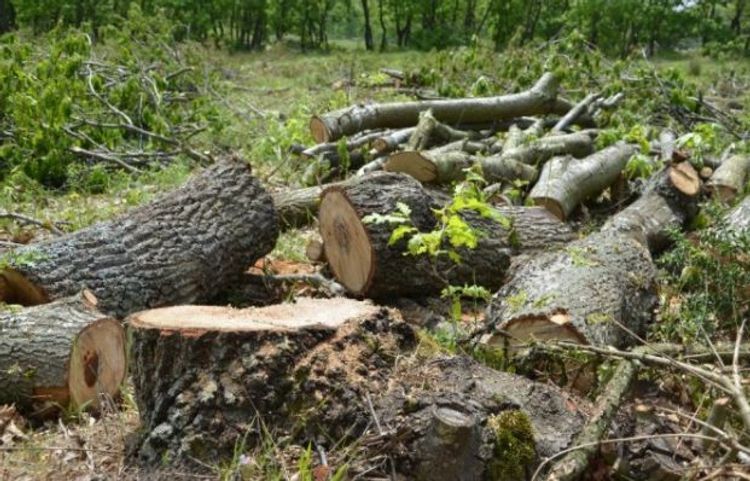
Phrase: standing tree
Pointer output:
(369, 44)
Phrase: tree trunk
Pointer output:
(363, 260)
(185, 247)
(7, 16)
(369, 44)
(668, 203)
(323, 369)
(383, 32)
(65, 353)
(587, 292)
(540, 99)
(565, 182)
(729, 178)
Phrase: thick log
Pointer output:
(58, 355)
(599, 289)
(323, 370)
(565, 182)
(364, 261)
(184, 247)
(668, 203)
(729, 178)
(738, 218)
(539, 99)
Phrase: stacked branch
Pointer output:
(187, 246)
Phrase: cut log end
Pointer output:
(319, 130)
(305, 314)
(16, 289)
(551, 205)
(413, 164)
(347, 244)
(523, 330)
(97, 363)
(685, 179)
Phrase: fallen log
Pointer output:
(729, 178)
(668, 202)
(205, 379)
(362, 258)
(579, 144)
(328, 150)
(539, 99)
(565, 182)
(596, 290)
(390, 142)
(186, 246)
(59, 355)
(573, 114)
(440, 165)
(738, 218)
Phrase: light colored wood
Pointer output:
(685, 178)
(350, 256)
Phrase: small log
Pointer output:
(668, 202)
(332, 147)
(439, 165)
(314, 251)
(579, 144)
(729, 178)
(62, 354)
(538, 100)
(587, 292)
(573, 114)
(372, 166)
(565, 182)
(297, 207)
(363, 260)
(184, 247)
(390, 142)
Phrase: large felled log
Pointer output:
(205, 378)
(65, 353)
(588, 291)
(364, 261)
(540, 99)
(186, 246)
(729, 178)
(565, 182)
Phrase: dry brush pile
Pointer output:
(342, 371)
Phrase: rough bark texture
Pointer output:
(739, 218)
(384, 270)
(62, 352)
(582, 293)
(565, 182)
(540, 99)
(729, 178)
(185, 247)
(200, 392)
(661, 208)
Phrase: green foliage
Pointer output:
(707, 280)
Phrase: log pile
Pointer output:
(322, 372)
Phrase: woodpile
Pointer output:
(209, 377)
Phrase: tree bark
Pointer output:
(185, 247)
(565, 182)
(439, 165)
(588, 291)
(539, 151)
(738, 218)
(390, 142)
(323, 369)
(668, 203)
(369, 44)
(729, 178)
(540, 99)
(59, 354)
(363, 260)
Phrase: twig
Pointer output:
(30, 220)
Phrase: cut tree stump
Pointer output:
(729, 178)
(184, 247)
(363, 260)
(208, 378)
(565, 182)
(598, 288)
(58, 355)
(538, 100)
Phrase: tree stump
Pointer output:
(188, 246)
(65, 353)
